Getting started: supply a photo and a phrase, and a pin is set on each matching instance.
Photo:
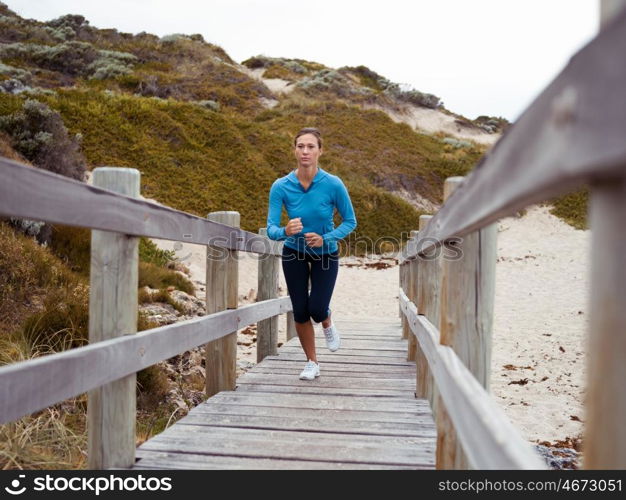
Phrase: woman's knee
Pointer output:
(301, 315)
(318, 313)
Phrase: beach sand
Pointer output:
(540, 316)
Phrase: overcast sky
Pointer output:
(488, 57)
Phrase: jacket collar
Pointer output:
(318, 176)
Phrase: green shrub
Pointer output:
(150, 252)
(27, 272)
(20, 74)
(63, 322)
(73, 246)
(157, 277)
(72, 58)
(73, 21)
(38, 133)
(152, 387)
(572, 208)
(163, 296)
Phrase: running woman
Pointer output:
(310, 196)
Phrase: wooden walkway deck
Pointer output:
(361, 413)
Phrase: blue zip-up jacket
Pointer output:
(315, 207)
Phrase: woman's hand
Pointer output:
(294, 226)
(314, 239)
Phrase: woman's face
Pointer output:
(307, 151)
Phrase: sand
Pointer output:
(431, 121)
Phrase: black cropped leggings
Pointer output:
(322, 270)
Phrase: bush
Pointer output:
(163, 296)
(413, 96)
(257, 62)
(209, 104)
(155, 276)
(330, 80)
(64, 321)
(173, 38)
(72, 21)
(71, 58)
(150, 252)
(20, 74)
(369, 78)
(572, 208)
(38, 133)
(102, 70)
(152, 387)
(61, 34)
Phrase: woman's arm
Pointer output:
(344, 206)
(274, 230)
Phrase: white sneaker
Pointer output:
(311, 370)
(333, 341)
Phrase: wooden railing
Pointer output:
(574, 134)
(107, 366)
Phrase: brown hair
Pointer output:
(309, 130)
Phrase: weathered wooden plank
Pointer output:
(411, 292)
(488, 437)
(331, 372)
(350, 344)
(112, 313)
(339, 358)
(609, 9)
(403, 271)
(341, 382)
(394, 355)
(408, 369)
(294, 445)
(427, 302)
(327, 401)
(605, 433)
(572, 134)
(309, 424)
(267, 286)
(420, 416)
(323, 391)
(466, 318)
(222, 278)
(31, 385)
(37, 194)
(192, 461)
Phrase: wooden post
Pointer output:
(605, 433)
(609, 9)
(222, 279)
(467, 298)
(605, 402)
(411, 292)
(112, 313)
(428, 283)
(404, 269)
(267, 329)
(291, 326)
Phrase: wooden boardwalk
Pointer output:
(361, 413)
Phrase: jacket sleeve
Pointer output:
(274, 230)
(344, 206)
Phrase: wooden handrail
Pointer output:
(488, 437)
(29, 386)
(32, 193)
(554, 147)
